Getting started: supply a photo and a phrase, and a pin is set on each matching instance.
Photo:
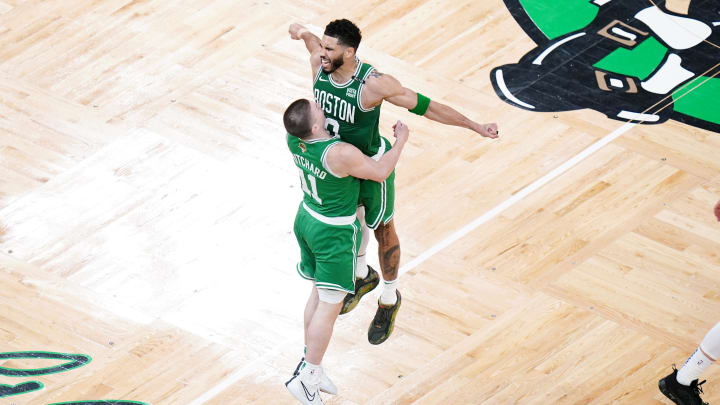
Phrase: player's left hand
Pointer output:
(487, 130)
(717, 211)
(294, 29)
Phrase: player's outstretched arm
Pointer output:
(312, 43)
(390, 89)
(346, 160)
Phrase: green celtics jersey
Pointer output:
(345, 116)
(327, 195)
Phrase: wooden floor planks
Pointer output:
(147, 199)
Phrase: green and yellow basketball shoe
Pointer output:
(362, 287)
(384, 321)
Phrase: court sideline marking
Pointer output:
(515, 198)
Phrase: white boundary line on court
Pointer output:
(495, 211)
(234, 377)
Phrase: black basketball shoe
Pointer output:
(681, 394)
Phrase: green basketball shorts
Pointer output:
(378, 199)
(328, 252)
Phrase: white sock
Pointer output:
(699, 361)
(693, 367)
(388, 296)
(361, 270)
(310, 373)
(711, 342)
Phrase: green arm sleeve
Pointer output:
(422, 105)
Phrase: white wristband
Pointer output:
(300, 32)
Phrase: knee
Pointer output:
(361, 214)
(330, 296)
(386, 231)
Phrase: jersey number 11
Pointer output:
(313, 185)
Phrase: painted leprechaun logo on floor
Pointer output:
(629, 59)
(68, 361)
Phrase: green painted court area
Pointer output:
(700, 99)
(697, 98)
(638, 62)
(556, 21)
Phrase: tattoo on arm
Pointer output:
(375, 73)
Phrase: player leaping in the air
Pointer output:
(351, 92)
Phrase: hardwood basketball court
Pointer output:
(147, 200)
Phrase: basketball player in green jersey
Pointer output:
(351, 93)
(327, 229)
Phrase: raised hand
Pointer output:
(402, 132)
(296, 31)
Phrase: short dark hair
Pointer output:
(298, 119)
(347, 33)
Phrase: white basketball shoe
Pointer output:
(326, 384)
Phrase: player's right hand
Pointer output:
(487, 130)
(293, 30)
(401, 132)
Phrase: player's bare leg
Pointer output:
(310, 308)
(319, 320)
